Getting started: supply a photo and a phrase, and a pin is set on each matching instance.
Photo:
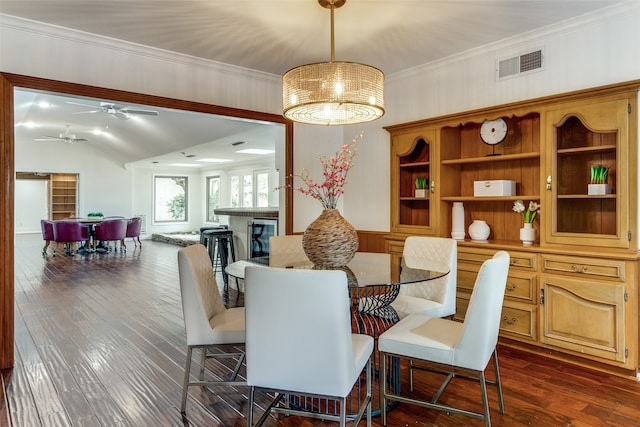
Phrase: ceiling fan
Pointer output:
(120, 111)
(67, 136)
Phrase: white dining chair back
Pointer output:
(433, 297)
(299, 338)
(286, 251)
(459, 350)
(208, 322)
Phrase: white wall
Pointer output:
(102, 186)
(591, 51)
(30, 205)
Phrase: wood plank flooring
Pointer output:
(100, 341)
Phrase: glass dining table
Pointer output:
(374, 281)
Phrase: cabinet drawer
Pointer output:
(521, 260)
(518, 322)
(594, 268)
(520, 286)
(395, 246)
(467, 278)
(462, 303)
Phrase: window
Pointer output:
(247, 191)
(170, 198)
(251, 189)
(213, 197)
(261, 178)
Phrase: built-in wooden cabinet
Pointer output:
(574, 293)
(63, 195)
(582, 135)
(413, 155)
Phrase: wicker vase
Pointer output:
(330, 241)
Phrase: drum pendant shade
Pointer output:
(333, 93)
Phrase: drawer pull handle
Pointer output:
(579, 270)
(506, 320)
(514, 262)
(511, 288)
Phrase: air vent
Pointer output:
(520, 64)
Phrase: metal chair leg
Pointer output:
(185, 383)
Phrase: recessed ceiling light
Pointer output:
(214, 160)
(43, 104)
(255, 151)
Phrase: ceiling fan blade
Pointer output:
(142, 112)
(121, 115)
(48, 138)
(83, 105)
(87, 112)
(79, 140)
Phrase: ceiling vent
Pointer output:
(520, 64)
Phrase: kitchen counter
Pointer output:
(249, 212)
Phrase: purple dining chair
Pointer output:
(47, 235)
(134, 226)
(110, 231)
(70, 233)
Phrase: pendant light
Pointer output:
(333, 93)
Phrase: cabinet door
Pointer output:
(581, 137)
(413, 212)
(584, 316)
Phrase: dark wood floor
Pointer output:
(100, 341)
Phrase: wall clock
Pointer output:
(493, 132)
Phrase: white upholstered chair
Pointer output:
(459, 350)
(299, 340)
(207, 321)
(437, 297)
(286, 250)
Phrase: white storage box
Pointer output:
(494, 188)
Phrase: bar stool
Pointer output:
(220, 247)
(204, 237)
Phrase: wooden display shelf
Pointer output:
(414, 165)
(491, 159)
(487, 199)
(586, 196)
(596, 148)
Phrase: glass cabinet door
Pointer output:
(413, 183)
(587, 180)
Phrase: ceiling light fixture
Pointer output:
(214, 160)
(260, 151)
(333, 93)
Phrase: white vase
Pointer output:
(421, 193)
(528, 234)
(457, 221)
(479, 231)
